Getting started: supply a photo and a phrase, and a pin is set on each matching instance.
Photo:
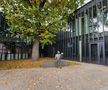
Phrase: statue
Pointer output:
(58, 58)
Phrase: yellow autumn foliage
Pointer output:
(25, 63)
(28, 63)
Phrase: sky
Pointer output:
(87, 1)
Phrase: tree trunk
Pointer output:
(35, 50)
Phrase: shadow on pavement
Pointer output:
(53, 64)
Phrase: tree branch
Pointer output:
(42, 3)
(50, 24)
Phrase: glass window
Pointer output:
(106, 21)
(79, 27)
(86, 22)
(76, 26)
(105, 17)
(82, 25)
(100, 17)
(90, 20)
(105, 3)
(95, 19)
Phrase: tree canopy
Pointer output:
(37, 18)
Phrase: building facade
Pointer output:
(86, 37)
(12, 47)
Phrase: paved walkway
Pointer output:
(80, 77)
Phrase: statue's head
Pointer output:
(58, 52)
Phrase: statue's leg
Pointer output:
(56, 63)
(60, 64)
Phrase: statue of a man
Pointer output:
(58, 57)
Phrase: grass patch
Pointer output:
(71, 63)
(28, 63)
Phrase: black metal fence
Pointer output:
(14, 48)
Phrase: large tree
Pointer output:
(37, 20)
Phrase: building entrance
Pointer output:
(94, 53)
(97, 53)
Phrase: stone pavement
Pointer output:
(79, 77)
